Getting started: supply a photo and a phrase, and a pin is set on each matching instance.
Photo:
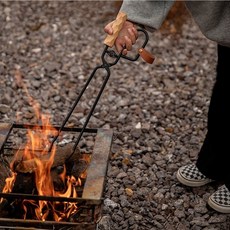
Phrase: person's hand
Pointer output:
(126, 37)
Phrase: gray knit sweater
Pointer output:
(212, 17)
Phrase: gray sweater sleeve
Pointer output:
(213, 17)
(150, 14)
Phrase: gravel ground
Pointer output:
(158, 112)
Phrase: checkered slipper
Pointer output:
(220, 200)
(190, 175)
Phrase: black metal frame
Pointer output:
(92, 197)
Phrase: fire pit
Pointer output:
(89, 192)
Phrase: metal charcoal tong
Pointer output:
(109, 42)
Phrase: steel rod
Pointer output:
(46, 198)
(73, 107)
(91, 111)
(105, 65)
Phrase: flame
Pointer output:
(43, 179)
(9, 184)
(39, 139)
(37, 145)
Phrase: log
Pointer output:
(58, 183)
(78, 168)
(25, 182)
(61, 157)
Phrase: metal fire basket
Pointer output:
(91, 198)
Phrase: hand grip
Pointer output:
(117, 26)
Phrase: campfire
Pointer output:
(58, 188)
(56, 173)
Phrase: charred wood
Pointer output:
(24, 183)
(63, 156)
(58, 183)
(78, 168)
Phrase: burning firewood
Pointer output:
(4, 173)
(28, 179)
(62, 156)
(58, 183)
(23, 179)
(78, 168)
(63, 160)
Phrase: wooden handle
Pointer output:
(117, 26)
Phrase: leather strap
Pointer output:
(148, 57)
